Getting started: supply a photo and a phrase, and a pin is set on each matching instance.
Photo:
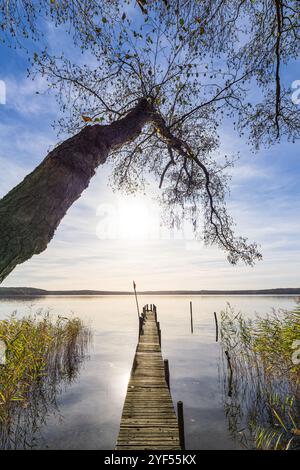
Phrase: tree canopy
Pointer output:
(191, 64)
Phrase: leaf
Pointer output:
(202, 30)
(123, 16)
(86, 118)
(142, 4)
(104, 20)
(181, 21)
(279, 419)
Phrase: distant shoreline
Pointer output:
(6, 292)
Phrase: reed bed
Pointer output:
(42, 354)
(261, 378)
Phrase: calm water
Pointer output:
(89, 410)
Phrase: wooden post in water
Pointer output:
(217, 327)
(167, 372)
(230, 374)
(181, 424)
(191, 310)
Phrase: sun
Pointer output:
(137, 219)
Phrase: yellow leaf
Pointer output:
(86, 119)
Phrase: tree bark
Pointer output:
(31, 212)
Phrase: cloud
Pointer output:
(28, 97)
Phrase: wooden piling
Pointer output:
(167, 372)
(141, 326)
(159, 333)
(181, 424)
(217, 327)
(230, 373)
(191, 311)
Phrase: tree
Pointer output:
(166, 75)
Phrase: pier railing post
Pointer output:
(181, 424)
(191, 310)
(167, 372)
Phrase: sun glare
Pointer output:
(137, 219)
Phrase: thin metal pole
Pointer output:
(136, 300)
(191, 310)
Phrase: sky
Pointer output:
(107, 239)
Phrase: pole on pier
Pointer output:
(191, 310)
(136, 299)
(167, 372)
(217, 327)
(181, 424)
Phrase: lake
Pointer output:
(89, 410)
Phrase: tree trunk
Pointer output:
(31, 212)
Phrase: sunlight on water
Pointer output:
(90, 409)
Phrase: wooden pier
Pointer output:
(149, 420)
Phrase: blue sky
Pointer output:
(95, 248)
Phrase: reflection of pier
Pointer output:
(148, 419)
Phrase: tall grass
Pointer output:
(261, 380)
(42, 354)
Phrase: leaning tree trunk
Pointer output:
(31, 212)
